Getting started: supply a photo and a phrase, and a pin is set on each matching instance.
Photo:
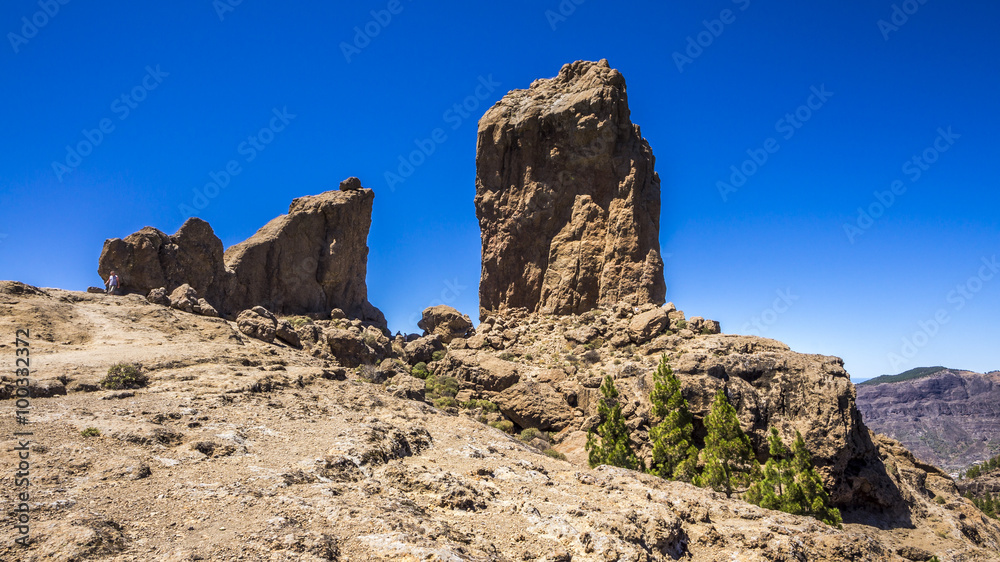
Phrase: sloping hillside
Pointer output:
(240, 448)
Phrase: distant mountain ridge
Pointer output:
(946, 417)
(912, 374)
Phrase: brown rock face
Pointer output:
(149, 259)
(315, 258)
(948, 418)
(566, 197)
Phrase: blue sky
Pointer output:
(844, 109)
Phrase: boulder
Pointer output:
(534, 404)
(567, 199)
(647, 325)
(150, 259)
(158, 296)
(407, 387)
(422, 349)
(206, 309)
(286, 333)
(350, 184)
(349, 348)
(184, 298)
(259, 323)
(313, 259)
(446, 322)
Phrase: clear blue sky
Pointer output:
(198, 84)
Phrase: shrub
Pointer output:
(615, 449)
(420, 370)
(124, 375)
(445, 402)
(530, 433)
(505, 426)
(299, 321)
(939, 500)
(438, 355)
(507, 356)
(529, 357)
(367, 373)
(555, 454)
(592, 356)
(441, 386)
(91, 432)
(486, 405)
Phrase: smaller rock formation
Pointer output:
(184, 298)
(150, 259)
(313, 259)
(422, 349)
(258, 323)
(446, 322)
(158, 296)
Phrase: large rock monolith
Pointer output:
(566, 197)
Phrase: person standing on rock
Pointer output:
(113, 284)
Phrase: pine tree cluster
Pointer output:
(788, 481)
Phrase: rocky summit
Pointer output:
(567, 198)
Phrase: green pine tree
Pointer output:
(614, 448)
(674, 454)
(791, 484)
(729, 463)
(814, 495)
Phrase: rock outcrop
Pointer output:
(566, 197)
(446, 322)
(948, 418)
(313, 259)
(310, 261)
(149, 259)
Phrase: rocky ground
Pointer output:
(242, 449)
(950, 418)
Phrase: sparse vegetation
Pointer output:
(367, 373)
(978, 470)
(507, 356)
(91, 432)
(505, 426)
(555, 454)
(438, 355)
(681, 324)
(299, 321)
(420, 370)
(436, 386)
(528, 434)
(442, 402)
(124, 376)
(486, 405)
(615, 447)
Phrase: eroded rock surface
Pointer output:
(566, 197)
(149, 259)
(313, 259)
